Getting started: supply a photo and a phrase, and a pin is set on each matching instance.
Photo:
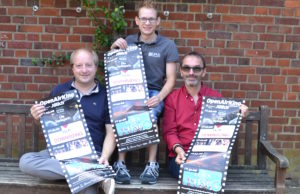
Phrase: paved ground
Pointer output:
(292, 187)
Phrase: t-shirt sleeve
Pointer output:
(172, 55)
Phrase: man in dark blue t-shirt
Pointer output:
(93, 100)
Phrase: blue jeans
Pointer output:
(173, 168)
(156, 111)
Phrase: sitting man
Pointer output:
(183, 108)
(94, 104)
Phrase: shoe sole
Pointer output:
(123, 182)
(148, 183)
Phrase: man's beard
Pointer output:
(192, 83)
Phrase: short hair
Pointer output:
(196, 54)
(150, 4)
(90, 51)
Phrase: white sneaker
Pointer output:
(108, 186)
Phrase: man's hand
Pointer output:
(103, 160)
(37, 111)
(244, 110)
(119, 43)
(180, 158)
(153, 101)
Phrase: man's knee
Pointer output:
(25, 163)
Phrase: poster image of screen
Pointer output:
(218, 131)
(210, 161)
(127, 92)
(123, 59)
(82, 172)
(201, 180)
(61, 115)
(72, 149)
(224, 117)
(135, 123)
(211, 145)
(126, 76)
(122, 109)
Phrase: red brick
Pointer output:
(31, 87)
(43, 20)
(253, 78)
(47, 3)
(20, 11)
(193, 34)
(180, 25)
(245, 36)
(181, 16)
(257, 53)
(45, 79)
(21, 54)
(30, 20)
(73, 13)
(270, 37)
(293, 38)
(247, 87)
(286, 137)
(195, 8)
(33, 37)
(228, 77)
(287, 21)
(261, 11)
(232, 52)
(222, 9)
(226, 85)
(72, 46)
(74, 38)
(276, 87)
(261, 20)
(20, 45)
(61, 3)
(284, 54)
(277, 112)
(58, 29)
(277, 95)
(8, 53)
(219, 35)
(28, 28)
(285, 104)
(295, 88)
(8, 94)
(234, 19)
(272, 3)
(47, 37)
(8, 61)
(18, 36)
(30, 95)
(8, 28)
(60, 38)
(243, 70)
(275, 11)
(19, 78)
(257, 103)
(57, 21)
(292, 71)
(83, 30)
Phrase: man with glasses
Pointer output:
(183, 108)
(160, 56)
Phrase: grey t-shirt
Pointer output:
(155, 56)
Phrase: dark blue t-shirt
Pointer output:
(95, 111)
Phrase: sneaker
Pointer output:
(150, 174)
(108, 186)
(122, 174)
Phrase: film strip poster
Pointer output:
(205, 168)
(127, 93)
(69, 141)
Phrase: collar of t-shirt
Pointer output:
(138, 41)
(94, 90)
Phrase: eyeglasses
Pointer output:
(151, 20)
(196, 69)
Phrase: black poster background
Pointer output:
(205, 168)
(127, 93)
(69, 141)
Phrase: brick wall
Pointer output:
(251, 46)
